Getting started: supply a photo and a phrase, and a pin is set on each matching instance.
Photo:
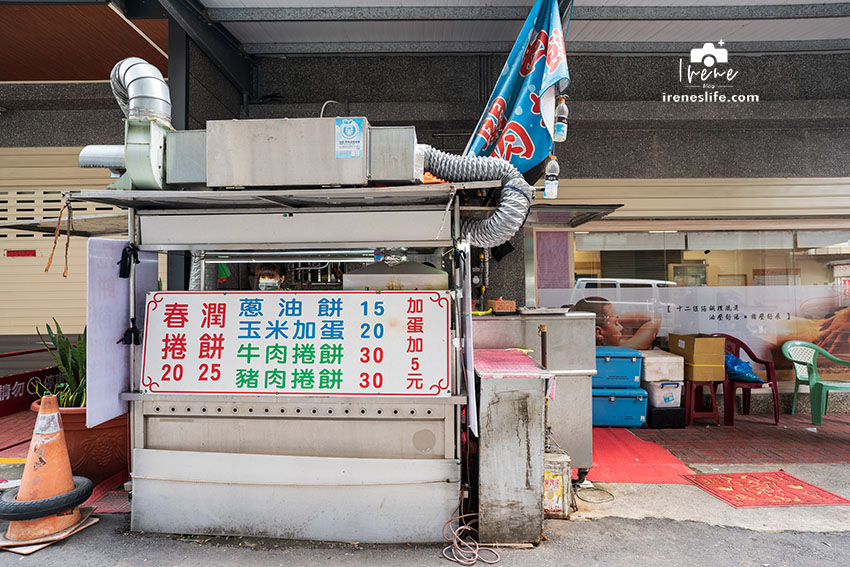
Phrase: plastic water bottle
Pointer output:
(561, 115)
(550, 186)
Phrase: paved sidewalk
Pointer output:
(755, 439)
(644, 524)
(607, 542)
(683, 502)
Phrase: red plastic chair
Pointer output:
(730, 387)
(695, 398)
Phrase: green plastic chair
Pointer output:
(804, 356)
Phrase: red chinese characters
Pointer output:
(211, 346)
(176, 315)
(494, 122)
(415, 326)
(214, 315)
(534, 52)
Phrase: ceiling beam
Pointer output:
(215, 43)
(367, 13)
(385, 47)
(732, 11)
(573, 47)
(54, 2)
(140, 9)
(519, 13)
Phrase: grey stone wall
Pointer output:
(79, 114)
(59, 114)
(211, 96)
(619, 127)
(507, 277)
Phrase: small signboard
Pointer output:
(348, 343)
(17, 391)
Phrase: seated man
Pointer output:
(633, 330)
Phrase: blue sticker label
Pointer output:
(349, 137)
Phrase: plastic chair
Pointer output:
(734, 346)
(804, 356)
(694, 398)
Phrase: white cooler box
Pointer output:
(662, 376)
(662, 366)
(663, 394)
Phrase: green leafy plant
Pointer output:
(71, 361)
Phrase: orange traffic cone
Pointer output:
(49, 496)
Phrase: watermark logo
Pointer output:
(708, 55)
(703, 71)
(708, 70)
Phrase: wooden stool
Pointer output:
(694, 404)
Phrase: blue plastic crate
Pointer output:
(619, 407)
(617, 367)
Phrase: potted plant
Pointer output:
(98, 452)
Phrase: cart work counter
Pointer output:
(325, 415)
(322, 412)
(341, 469)
(571, 351)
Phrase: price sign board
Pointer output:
(391, 343)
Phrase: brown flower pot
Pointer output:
(95, 453)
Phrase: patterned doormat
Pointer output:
(765, 490)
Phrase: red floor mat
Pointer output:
(764, 490)
(108, 497)
(619, 456)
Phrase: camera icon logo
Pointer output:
(708, 55)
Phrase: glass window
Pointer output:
(763, 287)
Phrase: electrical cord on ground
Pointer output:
(463, 547)
(606, 496)
(573, 501)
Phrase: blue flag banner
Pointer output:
(519, 119)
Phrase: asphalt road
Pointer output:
(609, 541)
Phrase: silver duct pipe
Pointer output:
(514, 201)
(111, 157)
(140, 90)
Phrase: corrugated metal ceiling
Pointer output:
(292, 27)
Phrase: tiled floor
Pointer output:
(755, 439)
(15, 433)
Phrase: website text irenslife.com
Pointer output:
(709, 96)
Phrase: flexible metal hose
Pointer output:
(195, 271)
(514, 201)
(140, 90)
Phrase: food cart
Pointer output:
(335, 408)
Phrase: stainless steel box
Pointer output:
(287, 152)
(392, 155)
(276, 230)
(186, 157)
